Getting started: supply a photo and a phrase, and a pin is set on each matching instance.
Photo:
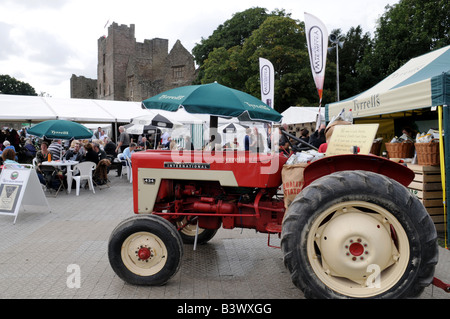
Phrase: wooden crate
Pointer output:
(427, 187)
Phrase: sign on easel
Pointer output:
(345, 137)
(19, 186)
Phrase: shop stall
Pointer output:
(415, 96)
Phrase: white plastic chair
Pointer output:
(129, 170)
(86, 169)
(123, 161)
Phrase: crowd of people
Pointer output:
(17, 147)
(317, 139)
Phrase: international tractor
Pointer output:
(353, 231)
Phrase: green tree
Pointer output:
(10, 85)
(231, 33)
(282, 41)
(355, 45)
(407, 29)
(279, 39)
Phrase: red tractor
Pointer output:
(354, 230)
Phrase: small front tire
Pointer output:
(145, 250)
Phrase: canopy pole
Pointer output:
(213, 125)
(443, 179)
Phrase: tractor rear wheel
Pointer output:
(358, 234)
(145, 250)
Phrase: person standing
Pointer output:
(124, 140)
(247, 142)
(256, 141)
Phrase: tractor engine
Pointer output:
(214, 206)
(228, 189)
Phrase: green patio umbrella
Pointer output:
(214, 99)
(60, 129)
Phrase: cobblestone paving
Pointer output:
(38, 253)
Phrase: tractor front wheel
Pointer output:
(145, 250)
(357, 234)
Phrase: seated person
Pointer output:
(110, 148)
(129, 150)
(91, 154)
(74, 154)
(101, 154)
(126, 154)
(43, 154)
(55, 149)
(144, 144)
(7, 145)
(29, 151)
(9, 158)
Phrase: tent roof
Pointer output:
(301, 114)
(417, 84)
(36, 109)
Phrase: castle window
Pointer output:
(130, 85)
(178, 72)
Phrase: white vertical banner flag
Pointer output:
(267, 79)
(317, 39)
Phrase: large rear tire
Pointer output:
(358, 234)
(145, 250)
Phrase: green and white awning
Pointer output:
(422, 82)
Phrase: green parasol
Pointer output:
(60, 129)
(214, 99)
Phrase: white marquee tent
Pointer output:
(302, 114)
(33, 109)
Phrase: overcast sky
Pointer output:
(44, 42)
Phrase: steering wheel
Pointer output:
(300, 146)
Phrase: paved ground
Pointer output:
(40, 254)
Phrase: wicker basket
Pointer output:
(400, 150)
(428, 153)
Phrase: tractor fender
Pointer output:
(351, 162)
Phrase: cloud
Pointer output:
(36, 4)
(44, 42)
(8, 46)
(45, 47)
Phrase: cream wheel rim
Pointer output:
(189, 229)
(144, 253)
(358, 249)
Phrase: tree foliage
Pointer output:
(10, 85)
(231, 54)
(407, 29)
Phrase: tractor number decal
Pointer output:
(149, 181)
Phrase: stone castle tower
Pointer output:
(131, 71)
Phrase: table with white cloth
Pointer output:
(61, 164)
